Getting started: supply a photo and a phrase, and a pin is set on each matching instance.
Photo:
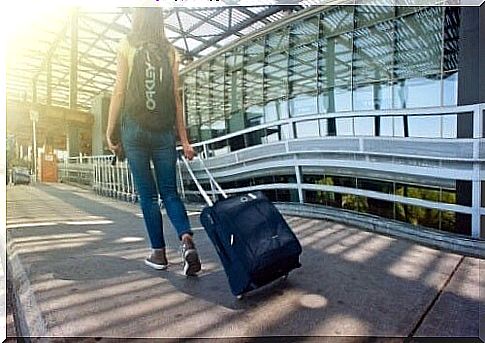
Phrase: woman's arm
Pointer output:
(179, 113)
(116, 102)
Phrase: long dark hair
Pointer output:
(148, 27)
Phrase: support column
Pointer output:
(74, 60)
(99, 110)
(72, 143)
(471, 65)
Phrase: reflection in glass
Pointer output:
(307, 129)
(370, 14)
(450, 89)
(254, 138)
(372, 64)
(449, 124)
(418, 59)
(344, 126)
(219, 148)
(418, 92)
(303, 104)
(302, 74)
(276, 72)
(386, 126)
(425, 126)
(448, 221)
(372, 97)
(190, 98)
(272, 134)
(451, 38)
(398, 126)
(204, 100)
(253, 80)
(364, 126)
(417, 215)
(381, 208)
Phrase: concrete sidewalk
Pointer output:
(77, 267)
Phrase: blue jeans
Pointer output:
(141, 147)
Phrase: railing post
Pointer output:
(476, 181)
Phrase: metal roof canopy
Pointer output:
(41, 72)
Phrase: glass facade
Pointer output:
(338, 68)
(344, 59)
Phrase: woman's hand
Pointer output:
(189, 152)
(114, 146)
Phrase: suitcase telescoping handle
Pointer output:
(199, 187)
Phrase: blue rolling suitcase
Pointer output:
(255, 244)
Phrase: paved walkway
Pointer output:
(77, 268)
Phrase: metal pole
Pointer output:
(34, 116)
(35, 149)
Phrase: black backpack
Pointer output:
(150, 97)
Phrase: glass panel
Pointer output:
(276, 73)
(236, 143)
(323, 123)
(417, 192)
(218, 121)
(355, 202)
(418, 92)
(303, 67)
(386, 125)
(375, 185)
(219, 148)
(303, 104)
(343, 181)
(381, 208)
(398, 126)
(372, 63)
(307, 129)
(311, 179)
(337, 20)
(254, 138)
(450, 89)
(263, 180)
(417, 215)
(190, 97)
(448, 196)
(448, 221)
(274, 110)
(285, 195)
(424, 126)
(418, 59)
(272, 134)
(372, 97)
(234, 90)
(450, 126)
(367, 15)
(253, 81)
(335, 59)
(364, 126)
(204, 101)
(344, 127)
(451, 31)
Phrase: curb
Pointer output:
(444, 241)
(30, 321)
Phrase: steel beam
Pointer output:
(74, 60)
(49, 83)
(238, 27)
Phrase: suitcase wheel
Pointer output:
(284, 277)
(239, 296)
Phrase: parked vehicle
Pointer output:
(20, 175)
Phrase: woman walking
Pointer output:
(147, 103)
